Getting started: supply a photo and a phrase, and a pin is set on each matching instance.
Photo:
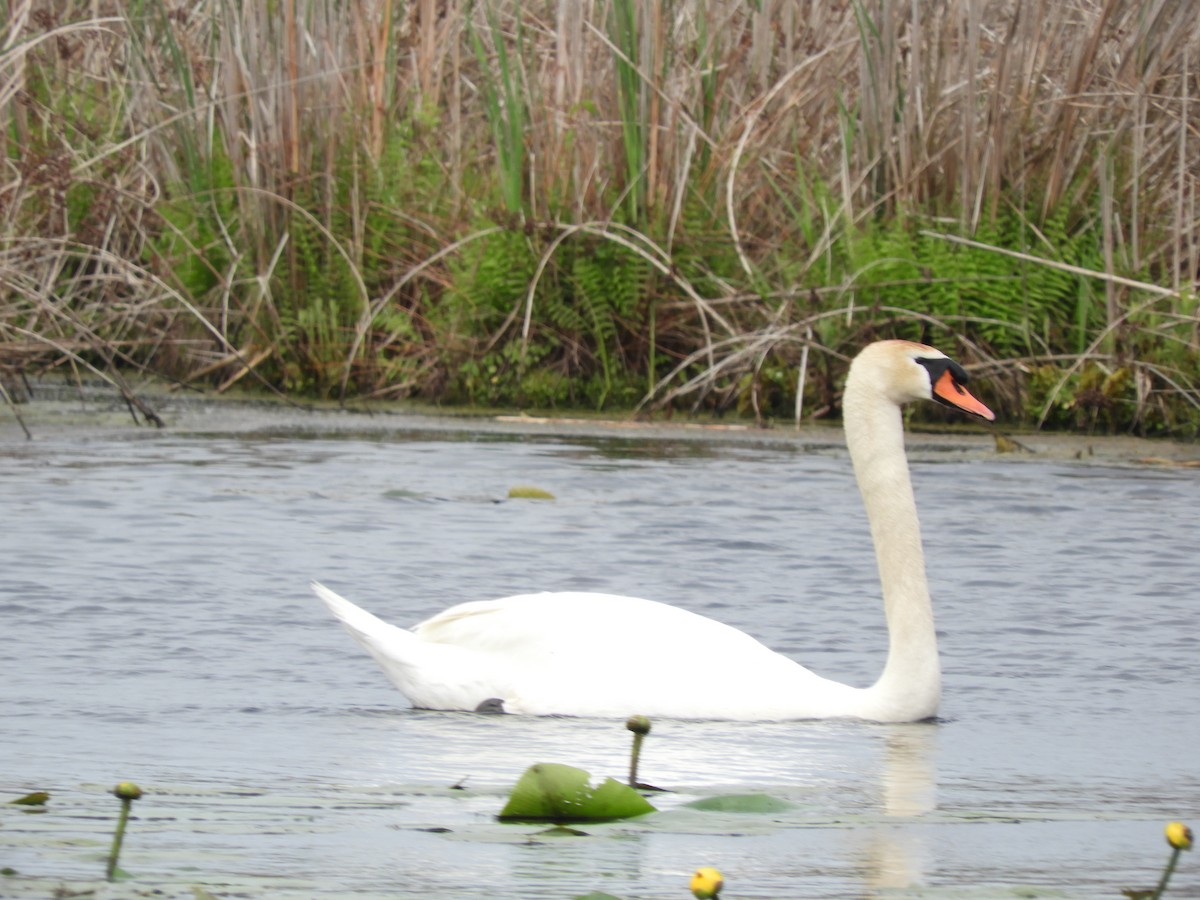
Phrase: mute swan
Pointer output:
(586, 654)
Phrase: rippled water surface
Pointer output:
(158, 627)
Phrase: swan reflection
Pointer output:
(897, 852)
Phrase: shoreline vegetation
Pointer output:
(697, 206)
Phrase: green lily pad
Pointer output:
(528, 492)
(741, 803)
(37, 798)
(552, 792)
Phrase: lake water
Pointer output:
(158, 627)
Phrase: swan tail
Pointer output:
(430, 675)
(365, 627)
(395, 649)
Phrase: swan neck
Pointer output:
(910, 686)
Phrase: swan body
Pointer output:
(588, 654)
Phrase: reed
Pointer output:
(505, 105)
(534, 202)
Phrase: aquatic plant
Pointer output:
(553, 792)
(528, 492)
(126, 792)
(706, 883)
(1179, 838)
(640, 726)
(740, 803)
(36, 798)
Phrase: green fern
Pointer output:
(1013, 306)
(609, 282)
(489, 280)
(198, 213)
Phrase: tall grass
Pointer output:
(588, 203)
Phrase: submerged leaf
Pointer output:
(528, 492)
(741, 803)
(552, 792)
(37, 798)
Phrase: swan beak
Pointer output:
(951, 392)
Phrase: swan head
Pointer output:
(904, 371)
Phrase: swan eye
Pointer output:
(946, 380)
(940, 366)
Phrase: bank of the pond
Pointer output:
(95, 410)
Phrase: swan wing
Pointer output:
(584, 654)
(609, 655)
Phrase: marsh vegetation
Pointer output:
(696, 205)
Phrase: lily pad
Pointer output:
(741, 803)
(37, 798)
(553, 792)
(529, 492)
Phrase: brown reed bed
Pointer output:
(704, 204)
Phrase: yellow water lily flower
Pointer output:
(1179, 836)
(706, 883)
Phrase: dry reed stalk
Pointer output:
(379, 104)
(291, 122)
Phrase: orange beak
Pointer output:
(950, 391)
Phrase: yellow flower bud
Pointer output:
(1179, 836)
(127, 790)
(706, 883)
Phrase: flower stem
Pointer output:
(633, 759)
(1166, 875)
(640, 726)
(126, 792)
(118, 837)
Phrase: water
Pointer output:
(158, 627)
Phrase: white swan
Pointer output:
(602, 655)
